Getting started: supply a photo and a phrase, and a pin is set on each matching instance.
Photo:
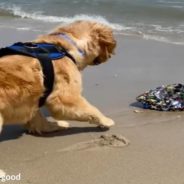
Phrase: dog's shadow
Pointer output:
(11, 132)
(73, 130)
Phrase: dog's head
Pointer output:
(102, 42)
(96, 40)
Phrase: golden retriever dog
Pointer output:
(21, 80)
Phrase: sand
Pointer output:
(84, 154)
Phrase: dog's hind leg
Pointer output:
(39, 124)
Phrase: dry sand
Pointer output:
(84, 154)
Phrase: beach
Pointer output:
(155, 152)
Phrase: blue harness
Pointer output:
(45, 53)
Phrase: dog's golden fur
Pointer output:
(21, 80)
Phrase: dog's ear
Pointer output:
(106, 41)
(107, 46)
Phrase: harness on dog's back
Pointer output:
(45, 53)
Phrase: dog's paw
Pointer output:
(59, 123)
(106, 123)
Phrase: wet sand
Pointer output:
(84, 154)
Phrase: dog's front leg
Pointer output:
(79, 109)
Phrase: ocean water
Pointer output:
(161, 20)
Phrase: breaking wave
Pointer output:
(146, 31)
(18, 12)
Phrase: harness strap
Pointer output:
(67, 54)
(41, 51)
(48, 74)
